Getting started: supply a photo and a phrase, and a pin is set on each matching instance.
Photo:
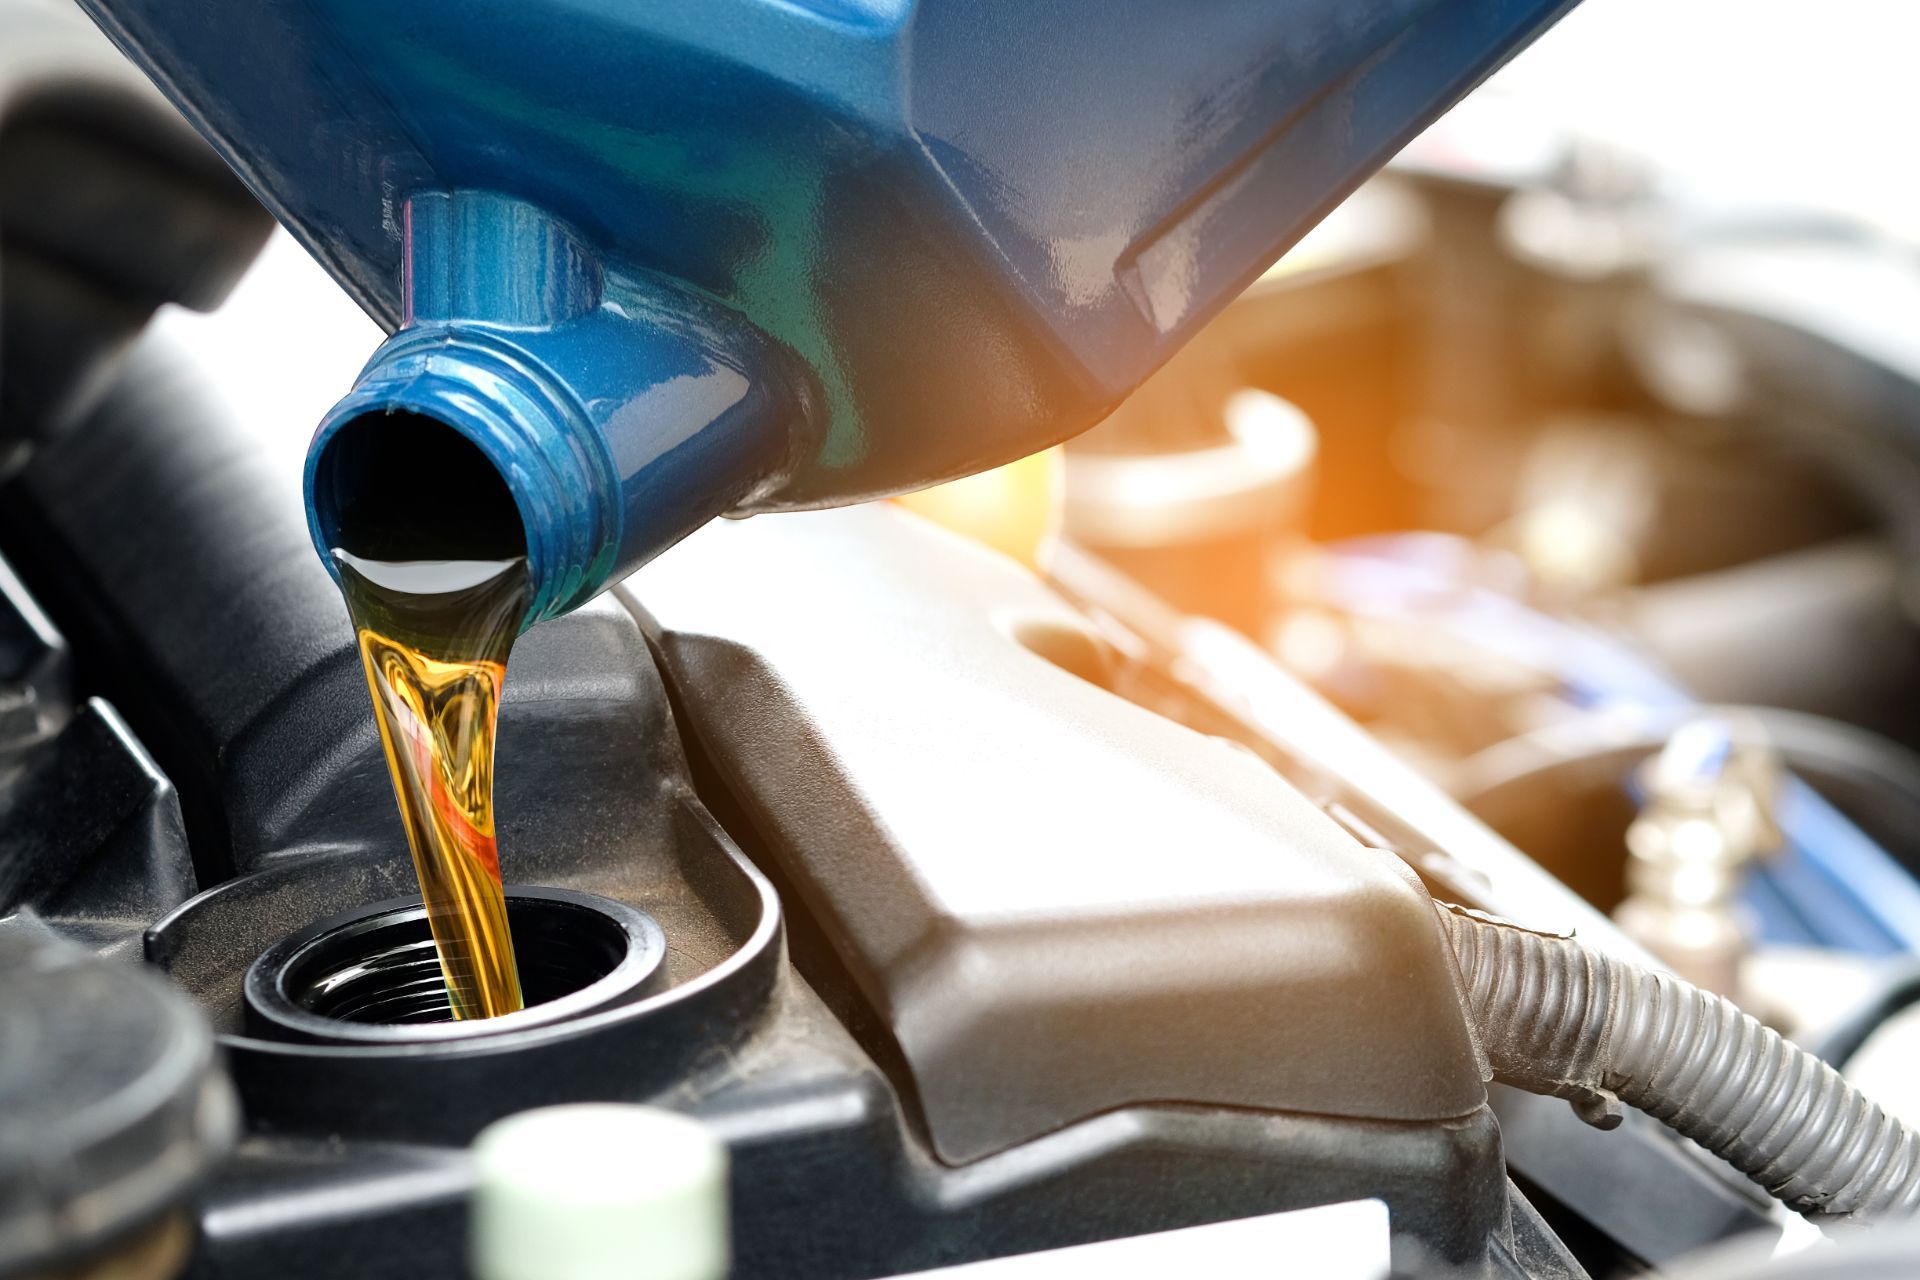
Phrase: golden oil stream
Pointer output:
(434, 636)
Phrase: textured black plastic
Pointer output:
(35, 693)
(90, 830)
(113, 1100)
(1643, 1188)
(1058, 902)
(90, 834)
(168, 547)
(373, 976)
(158, 532)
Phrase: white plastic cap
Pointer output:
(599, 1191)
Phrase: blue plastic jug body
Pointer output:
(926, 236)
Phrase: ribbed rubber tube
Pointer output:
(1560, 1018)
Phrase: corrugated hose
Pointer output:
(1561, 1018)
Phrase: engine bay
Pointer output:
(1528, 541)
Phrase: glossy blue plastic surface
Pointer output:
(973, 224)
(623, 412)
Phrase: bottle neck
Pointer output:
(554, 462)
(622, 412)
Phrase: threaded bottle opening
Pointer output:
(527, 471)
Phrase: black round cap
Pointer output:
(112, 1102)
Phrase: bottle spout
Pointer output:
(537, 397)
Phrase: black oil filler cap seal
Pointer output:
(113, 1105)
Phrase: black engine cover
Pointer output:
(1068, 971)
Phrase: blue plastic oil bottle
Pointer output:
(667, 259)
